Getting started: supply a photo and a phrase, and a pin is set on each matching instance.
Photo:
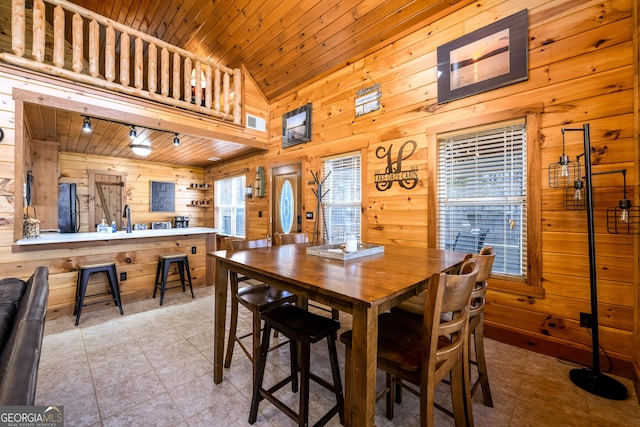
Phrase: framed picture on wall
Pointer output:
(296, 126)
(488, 58)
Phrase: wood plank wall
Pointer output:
(581, 70)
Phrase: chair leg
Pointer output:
(261, 361)
(390, 383)
(115, 289)
(165, 276)
(186, 266)
(303, 412)
(158, 272)
(233, 328)
(181, 273)
(458, 400)
(483, 378)
(335, 371)
(295, 366)
(348, 372)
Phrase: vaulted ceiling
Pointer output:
(283, 44)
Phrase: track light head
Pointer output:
(133, 134)
(86, 125)
(176, 140)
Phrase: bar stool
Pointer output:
(303, 329)
(162, 272)
(84, 271)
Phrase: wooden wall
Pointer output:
(74, 167)
(582, 69)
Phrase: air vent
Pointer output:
(256, 123)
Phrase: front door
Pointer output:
(287, 199)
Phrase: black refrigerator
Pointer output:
(68, 208)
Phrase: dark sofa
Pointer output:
(23, 307)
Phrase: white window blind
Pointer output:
(342, 202)
(229, 208)
(482, 195)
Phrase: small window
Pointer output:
(482, 194)
(229, 206)
(343, 199)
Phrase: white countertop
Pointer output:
(49, 238)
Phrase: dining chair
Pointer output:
(292, 238)
(476, 319)
(289, 238)
(257, 297)
(424, 350)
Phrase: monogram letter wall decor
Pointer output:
(393, 172)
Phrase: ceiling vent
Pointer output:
(256, 123)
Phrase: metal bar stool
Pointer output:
(303, 329)
(84, 271)
(162, 272)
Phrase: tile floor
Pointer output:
(153, 367)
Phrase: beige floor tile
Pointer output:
(153, 366)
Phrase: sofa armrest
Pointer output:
(20, 356)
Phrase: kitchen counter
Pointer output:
(67, 240)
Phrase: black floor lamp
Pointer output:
(592, 379)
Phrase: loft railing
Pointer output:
(115, 59)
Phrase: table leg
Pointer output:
(364, 366)
(220, 315)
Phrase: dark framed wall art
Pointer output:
(488, 58)
(296, 126)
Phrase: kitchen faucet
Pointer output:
(127, 214)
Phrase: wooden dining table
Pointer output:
(363, 287)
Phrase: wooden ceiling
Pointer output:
(282, 44)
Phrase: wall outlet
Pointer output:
(193, 249)
(586, 320)
(123, 276)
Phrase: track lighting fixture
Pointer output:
(86, 125)
(176, 140)
(133, 134)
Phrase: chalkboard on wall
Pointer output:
(163, 195)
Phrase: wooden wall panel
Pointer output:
(581, 70)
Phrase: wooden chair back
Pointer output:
(235, 244)
(445, 335)
(289, 238)
(485, 262)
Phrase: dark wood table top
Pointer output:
(369, 280)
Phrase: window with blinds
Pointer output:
(229, 208)
(482, 195)
(341, 204)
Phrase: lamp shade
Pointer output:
(142, 150)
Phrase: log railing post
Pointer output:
(94, 48)
(187, 80)
(124, 59)
(176, 76)
(110, 54)
(39, 31)
(76, 29)
(58, 36)
(237, 88)
(18, 26)
(138, 64)
(152, 77)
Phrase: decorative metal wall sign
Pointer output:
(393, 172)
(368, 99)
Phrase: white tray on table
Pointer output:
(336, 251)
